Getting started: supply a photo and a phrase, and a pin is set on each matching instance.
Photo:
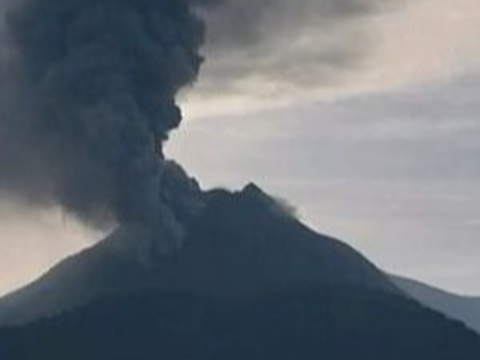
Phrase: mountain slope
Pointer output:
(242, 245)
(340, 324)
(250, 282)
(464, 309)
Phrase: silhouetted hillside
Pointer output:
(243, 244)
(462, 308)
(340, 324)
(250, 282)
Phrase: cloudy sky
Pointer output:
(363, 115)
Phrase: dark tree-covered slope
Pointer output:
(340, 324)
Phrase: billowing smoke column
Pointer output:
(97, 81)
(87, 93)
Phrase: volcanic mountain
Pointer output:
(244, 244)
(250, 282)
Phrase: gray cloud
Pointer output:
(246, 23)
(300, 43)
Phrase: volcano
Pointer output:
(244, 244)
(250, 282)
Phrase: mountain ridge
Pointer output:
(462, 308)
(243, 244)
(250, 282)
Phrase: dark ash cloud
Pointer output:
(88, 101)
(89, 87)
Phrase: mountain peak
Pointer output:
(258, 198)
(242, 244)
(253, 189)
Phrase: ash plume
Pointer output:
(90, 102)
(88, 88)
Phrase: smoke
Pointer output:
(88, 92)
(88, 100)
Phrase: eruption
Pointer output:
(88, 87)
(94, 102)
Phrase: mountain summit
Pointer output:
(250, 281)
(243, 244)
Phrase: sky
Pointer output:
(362, 115)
